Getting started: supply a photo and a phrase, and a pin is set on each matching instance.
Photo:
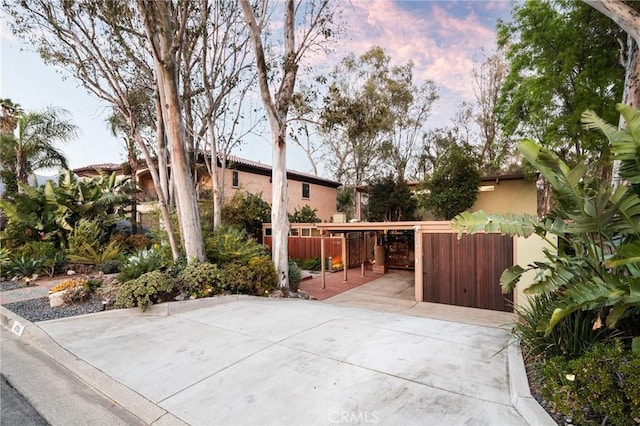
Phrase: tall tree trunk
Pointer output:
(628, 19)
(277, 108)
(215, 176)
(162, 201)
(161, 153)
(280, 204)
(157, 19)
(277, 114)
(186, 201)
(133, 169)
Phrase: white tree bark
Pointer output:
(162, 203)
(157, 20)
(216, 180)
(628, 19)
(277, 122)
(317, 20)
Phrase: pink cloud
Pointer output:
(441, 45)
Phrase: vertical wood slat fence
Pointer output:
(309, 247)
(466, 271)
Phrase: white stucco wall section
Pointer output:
(527, 251)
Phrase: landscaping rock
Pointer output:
(57, 299)
(277, 293)
(300, 295)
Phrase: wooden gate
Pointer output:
(466, 271)
(357, 249)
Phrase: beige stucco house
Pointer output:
(243, 175)
(514, 193)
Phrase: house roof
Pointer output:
(243, 164)
(105, 167)
(233, 162)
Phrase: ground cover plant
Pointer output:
(587, 305)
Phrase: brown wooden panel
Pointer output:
(305, 248)
(466, 272)
(356, 252)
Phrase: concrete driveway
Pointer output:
(245, 360)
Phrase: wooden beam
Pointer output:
(345, 260)
(322, 259)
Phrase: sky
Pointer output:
(443, 38)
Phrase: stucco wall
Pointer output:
(527, 251)
(514, 196)
(320, 197)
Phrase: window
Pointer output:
(294, 232)
(305, 190)
(267, 232)
(235, 179)
(306, 232)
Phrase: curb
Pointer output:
(110, 388)
(521, 398)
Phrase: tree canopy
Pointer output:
(453, 186)
(564, 59)
(390, 200)
(33, 145)
(373, 111)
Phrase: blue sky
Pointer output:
(443, 38)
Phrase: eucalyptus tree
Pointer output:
(312, 22)
(627, 16)
(373, 111)
(408, 129)
(223, 77)
(488, 78)
(165, 25)
(103, 45)
(32, 146)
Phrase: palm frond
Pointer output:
(508, 224)
(592, 121)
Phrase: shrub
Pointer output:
(138, 241)
(603, 385)
(142, 262)
(69, 284)
(203, 279)
(295, 275)
(54, 264)
(23, 267)
(238, 277)
(264, 275)
(258, 277)
(85, 233)
(311, 264)
(232, 245)
(37, 250)
(247, 211)
(111, 266)
(574, 335)
(94, 255)
(176, 267)
(152, 287)
(76, 294)
(4, 260)
(305, 215)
